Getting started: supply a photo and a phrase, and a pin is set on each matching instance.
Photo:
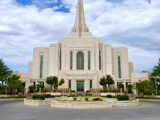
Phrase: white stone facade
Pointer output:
(56, 60)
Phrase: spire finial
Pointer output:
(80, 25)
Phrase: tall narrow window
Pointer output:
(80, 61)
(99, 60)
(41, 66)
(90, 84)
(60, 60)
(69, 84)
(89, 60)
(119, 67)
(71, 59)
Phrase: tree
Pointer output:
(129, 88)
(156, 70)
(50, 81)
(39, 87)
(32, 88)
(121, 86)
(103, 83)
(14, 85)
(146, 87)
(109, 80)
(61, 82)
(53, 81)
(5, 72)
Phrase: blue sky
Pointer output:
(26, 24)
(43, 4)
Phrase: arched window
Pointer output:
(80, 61)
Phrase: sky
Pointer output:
(25, 24)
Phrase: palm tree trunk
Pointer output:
(51, 87)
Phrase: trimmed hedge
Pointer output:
(42, 97)
(109, 96)
(122, 97)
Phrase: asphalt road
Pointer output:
(15, 110)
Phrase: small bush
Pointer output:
(36, 97)
(41, 97)
(122, 97)
(97, 99)
(86, 99)
(48, 96)
(32, 89)
(75, 99)
(109, 96)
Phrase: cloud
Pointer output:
(134, 24)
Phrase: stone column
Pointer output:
(125, 86)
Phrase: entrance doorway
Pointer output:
(80, 86)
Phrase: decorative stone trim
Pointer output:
(69, 104)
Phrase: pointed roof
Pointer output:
(80, 25)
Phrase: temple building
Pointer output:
(81, 60)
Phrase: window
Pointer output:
(69, 84)
(90, 84)
(89, 60)
(60, 58)
(80, 61)
(41, 66)
(99, 60)
(71, 59)
(119, 67)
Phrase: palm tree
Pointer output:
(5, 72)
(156, 70)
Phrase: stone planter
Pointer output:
(68, 103)
(126, 103)
(80, 105)
(36, 102)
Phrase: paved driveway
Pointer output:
(15, 110)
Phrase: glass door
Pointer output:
(80, 86)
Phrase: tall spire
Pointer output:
(80, 25)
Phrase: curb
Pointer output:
(12, 99)
(152, 100)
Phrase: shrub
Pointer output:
(110, 90)
(75, 99)
(109, 96)
(86, 99)
(36, 97)
(32, 89)
(97, 99)
(48, 96)
(41, 97)
(122, 97)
